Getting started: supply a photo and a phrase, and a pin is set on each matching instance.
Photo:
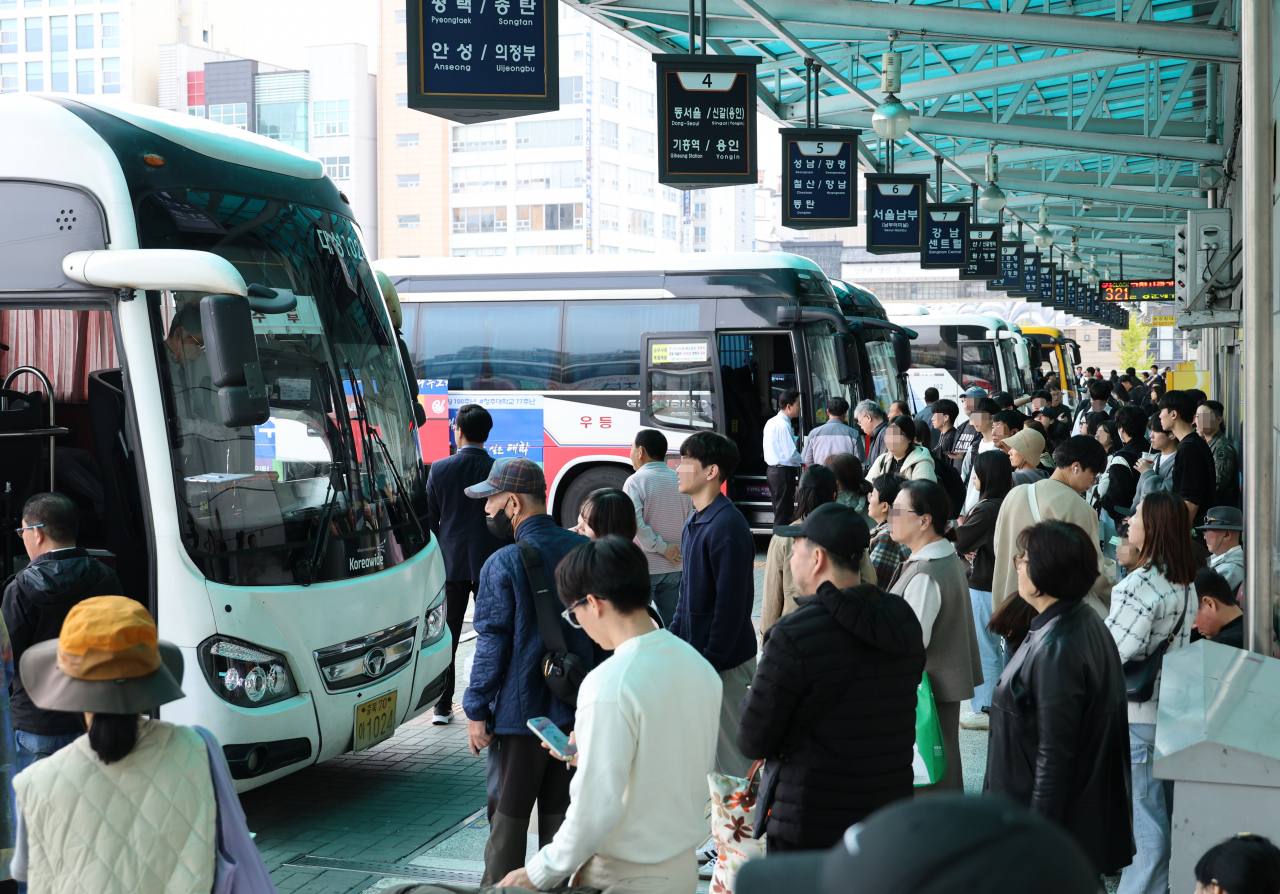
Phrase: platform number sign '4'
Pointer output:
(706, 120)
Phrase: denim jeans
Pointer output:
(989, 650)
(666, 593)
(1149, 871)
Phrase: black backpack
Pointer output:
(562, 670)
(951, 482)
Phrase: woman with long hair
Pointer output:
(817, 486)
(976, 538)
(1152, 609)
(902, 456)
(1059, 743)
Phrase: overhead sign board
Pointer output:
(1137, 289)
(1030, 276)
(1046, 284)
(1060, 289)
(895, 213)
(820, 187)
(1010, 278)
(946, 237)
(1162, 321)
(473, 61)
(706, 120)
(984, 252)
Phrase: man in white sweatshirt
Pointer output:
(647, 724)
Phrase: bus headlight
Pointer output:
(435, 620)
(244, 674)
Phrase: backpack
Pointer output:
(562, 670)
(951, 482)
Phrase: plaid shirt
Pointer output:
(1144, 611)
(886, 554)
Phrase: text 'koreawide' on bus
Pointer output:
(190, 309)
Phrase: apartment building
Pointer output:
(106, 48)
(581, 180)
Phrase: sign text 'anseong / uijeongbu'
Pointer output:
(482, 60)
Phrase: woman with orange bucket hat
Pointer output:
(136, 806)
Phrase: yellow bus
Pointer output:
(1063, 354)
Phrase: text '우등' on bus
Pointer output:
(572, 360)
(197, 351)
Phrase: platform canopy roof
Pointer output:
(1096, 108)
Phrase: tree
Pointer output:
(1133, 344)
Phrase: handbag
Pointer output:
(930, 759)
(238, 867)
(1140, 673)
(562, 670)
(732, 803)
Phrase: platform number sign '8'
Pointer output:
(706, 120)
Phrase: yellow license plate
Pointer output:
(375, 721)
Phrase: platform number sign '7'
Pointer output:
(706, 120)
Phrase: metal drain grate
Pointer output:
(396, 870)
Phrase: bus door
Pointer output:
(680, 386)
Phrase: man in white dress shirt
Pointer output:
(782, 458)
(647, 726)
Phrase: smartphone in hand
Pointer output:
(556, 740)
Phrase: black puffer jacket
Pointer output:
(36, 602)
(1059, 740)
(857, 756)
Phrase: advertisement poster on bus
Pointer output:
(517, 422)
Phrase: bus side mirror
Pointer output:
(901, 351)
(232, 352)
(846, 367)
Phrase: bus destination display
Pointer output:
(1136, 289)
(483, 60)
(820, 187)
(946, 242)
(706, 120)
(895, 213)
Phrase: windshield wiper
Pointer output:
(372, 434)
(307, 568)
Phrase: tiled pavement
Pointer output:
(321, 828)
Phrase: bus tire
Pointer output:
(592, 479)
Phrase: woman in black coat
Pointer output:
(1059, 741)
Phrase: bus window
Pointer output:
(978, 367)
(934, 348)
(602, 341)
(884, 373)
(824, 380)
(680, 383)
(488, 347)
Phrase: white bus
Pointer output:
(955, 352)
(572, 357)
(208, 368)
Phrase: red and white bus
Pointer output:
(572, 357)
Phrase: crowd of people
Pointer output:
(1033, 562)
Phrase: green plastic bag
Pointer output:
(930, 761)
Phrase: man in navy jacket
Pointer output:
(459, 526)
(717, 589)
(507, 688)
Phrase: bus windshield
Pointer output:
(824, 376)
(324, 489)
(884, 372)
(1019, 375)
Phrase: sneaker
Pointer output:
(707, 870)
(708, 852)
(440, 718)
(975, 721)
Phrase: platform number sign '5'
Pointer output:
(820, 185)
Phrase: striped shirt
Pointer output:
(661, 511)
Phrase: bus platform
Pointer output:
(411, 809)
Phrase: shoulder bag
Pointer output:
(1140, 674)
(562, 670)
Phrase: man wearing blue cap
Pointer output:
(967, 433)
(507, 687)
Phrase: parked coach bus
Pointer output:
(1063, 356)
(196, 351)
(572, 357)
(955, 352)
(886, 345)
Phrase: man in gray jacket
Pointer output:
(1157, 475)
(872, 419)
(831, 437)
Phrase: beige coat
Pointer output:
(779, 588)
(918, 465)
(1056, 501)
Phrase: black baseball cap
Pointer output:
(835, 527)
(1003, 398)
(936, 845)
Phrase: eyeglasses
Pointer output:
(1020, 560)
(19, 531)
(568, 615)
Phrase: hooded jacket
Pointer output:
(843, 756)
(36, 602)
